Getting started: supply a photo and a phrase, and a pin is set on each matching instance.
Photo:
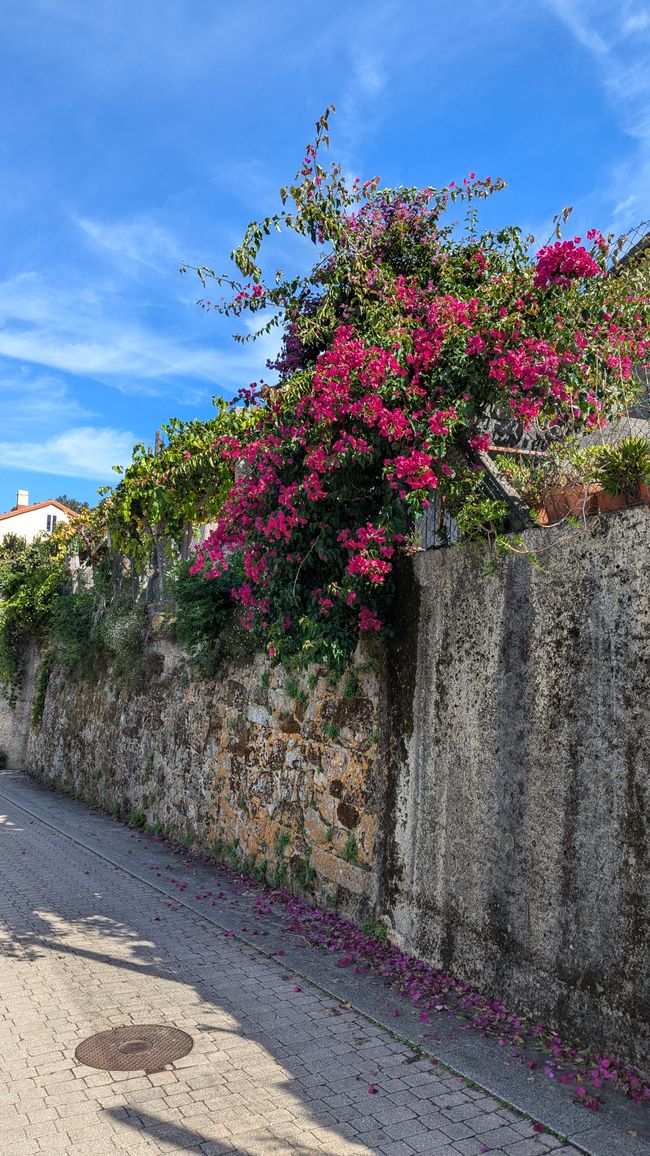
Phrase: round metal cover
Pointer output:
(141, 1047)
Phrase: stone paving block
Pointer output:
(488, 1123)
(533, 1146)
(466, 1111)
(436, 1145)
(471, 1147)
(407, 1128)
(457, 1130)
(395, 1148)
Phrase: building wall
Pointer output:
(31, 523)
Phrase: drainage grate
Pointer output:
(141, 1047)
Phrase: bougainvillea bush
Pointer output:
(408, 335)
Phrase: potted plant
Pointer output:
(555, 484)
(623, 471)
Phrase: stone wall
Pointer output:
(485, 791)
(277, 773)
(15, 719)
(516, 785)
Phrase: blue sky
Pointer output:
(137, 135)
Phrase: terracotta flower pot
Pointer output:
(568, 502)
(607, 503)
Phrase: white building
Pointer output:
(28, 521)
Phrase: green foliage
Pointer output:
(304, 874)
(202, 613)
(32, 577)
(351, 849)
(161, 495)
(3, 759)
(622, 467)
(259, 870)
(227, 852)
(282, 841)
(40, 687)
(378, 930)
(485, 518)
(350, 685)
(89, 633)
(121, 635)
(74, 631)
(530, 476)
(138, 820)
(73, 504)
(278, 874)
(331, 730)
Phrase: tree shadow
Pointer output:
(256, 1140)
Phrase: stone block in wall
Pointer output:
(342, 874)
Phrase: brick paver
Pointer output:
(277, 1066)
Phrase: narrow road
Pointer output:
(276, 1066)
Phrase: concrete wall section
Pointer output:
(15, 720)
(517, 786)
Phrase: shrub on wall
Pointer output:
(406, 338)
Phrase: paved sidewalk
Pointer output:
(277, 1066)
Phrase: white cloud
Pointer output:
(617, 35)
(637, 21)
(85, 332)
(31, 402)
(369, 74)
(80, 452)
(580, 22)
(141, 241)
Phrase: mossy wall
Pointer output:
(517, 780)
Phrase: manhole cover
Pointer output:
(142, 1047)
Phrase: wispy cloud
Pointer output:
(636, 21)
(581, 20)
(79, 452)
(86, 333)
(35, 403)
(140, 241)
(617, 35)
